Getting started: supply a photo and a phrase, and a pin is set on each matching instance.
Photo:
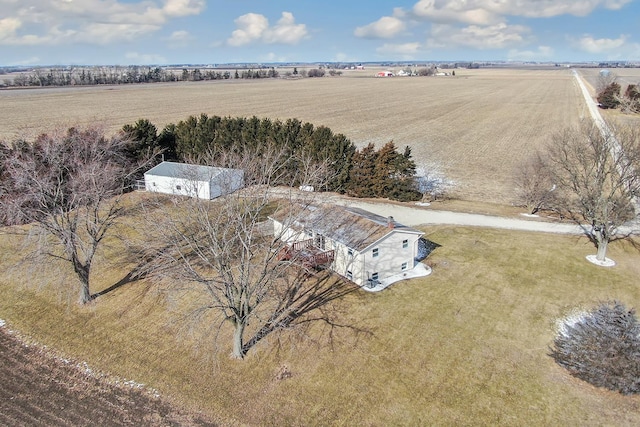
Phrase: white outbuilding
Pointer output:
(203, 182)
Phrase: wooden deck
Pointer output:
(305, 253)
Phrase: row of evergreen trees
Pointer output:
(384, 173)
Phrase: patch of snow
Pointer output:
(605, 263)
(577, 315)
(419, 270)
(2, 323)
(423, 204)
(530, 215)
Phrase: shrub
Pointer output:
(601, 347)
(315, 72)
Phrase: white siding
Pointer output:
(391, 255)
(178, 186)
(203, 182)
(362, 265)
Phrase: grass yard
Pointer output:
(474, 128)
(465, 346)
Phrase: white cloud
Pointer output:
(591, 45)
(183, 7)
(404, 50)
(384, 28)
(254, 27)
(179, 39)
(88, 21)
(498, 36)
(541, 53)
(486, 12)
(8, 28)
(251, 27)
(286, 31)
(468, 12)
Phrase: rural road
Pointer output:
(413, 215)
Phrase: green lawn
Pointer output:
(465, 346)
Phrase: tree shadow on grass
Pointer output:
(310, 303)
(132, 276)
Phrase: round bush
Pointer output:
(601, 346)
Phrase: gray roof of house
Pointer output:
(185, 171)
(353, 227)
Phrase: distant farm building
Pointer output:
(384, 74)
(203, 182)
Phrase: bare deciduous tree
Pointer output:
(597, 172)
(226, 250)
(604, 80)
(535, 188)
(69, 187)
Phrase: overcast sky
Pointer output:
(41, 32)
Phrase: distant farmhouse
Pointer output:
(384, 74)
(203, 182)
(368, 249)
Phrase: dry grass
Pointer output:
(467, 345)
(475, 128)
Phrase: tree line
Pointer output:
(366, 172)
(116, 75)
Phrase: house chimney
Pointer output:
(391, 223)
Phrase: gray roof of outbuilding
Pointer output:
(185, 171)
(353, 227)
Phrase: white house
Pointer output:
(364, 247)
(203, 182)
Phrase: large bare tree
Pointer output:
(597, 173)
(225, 251)
(68, 186)
(535, 189)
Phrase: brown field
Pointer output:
(39, 389)
(474, 128)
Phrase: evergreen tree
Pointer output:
(363, 166)
(608, 98)
(144, 139)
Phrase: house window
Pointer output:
(154, 184)
(405, 244)
(375, 252)
(374, 277)
(404, 265)
(350, 252)
(349, 275)
(178, 187)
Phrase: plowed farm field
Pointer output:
(474, 128)
(39, 389)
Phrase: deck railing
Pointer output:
(307, 254)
